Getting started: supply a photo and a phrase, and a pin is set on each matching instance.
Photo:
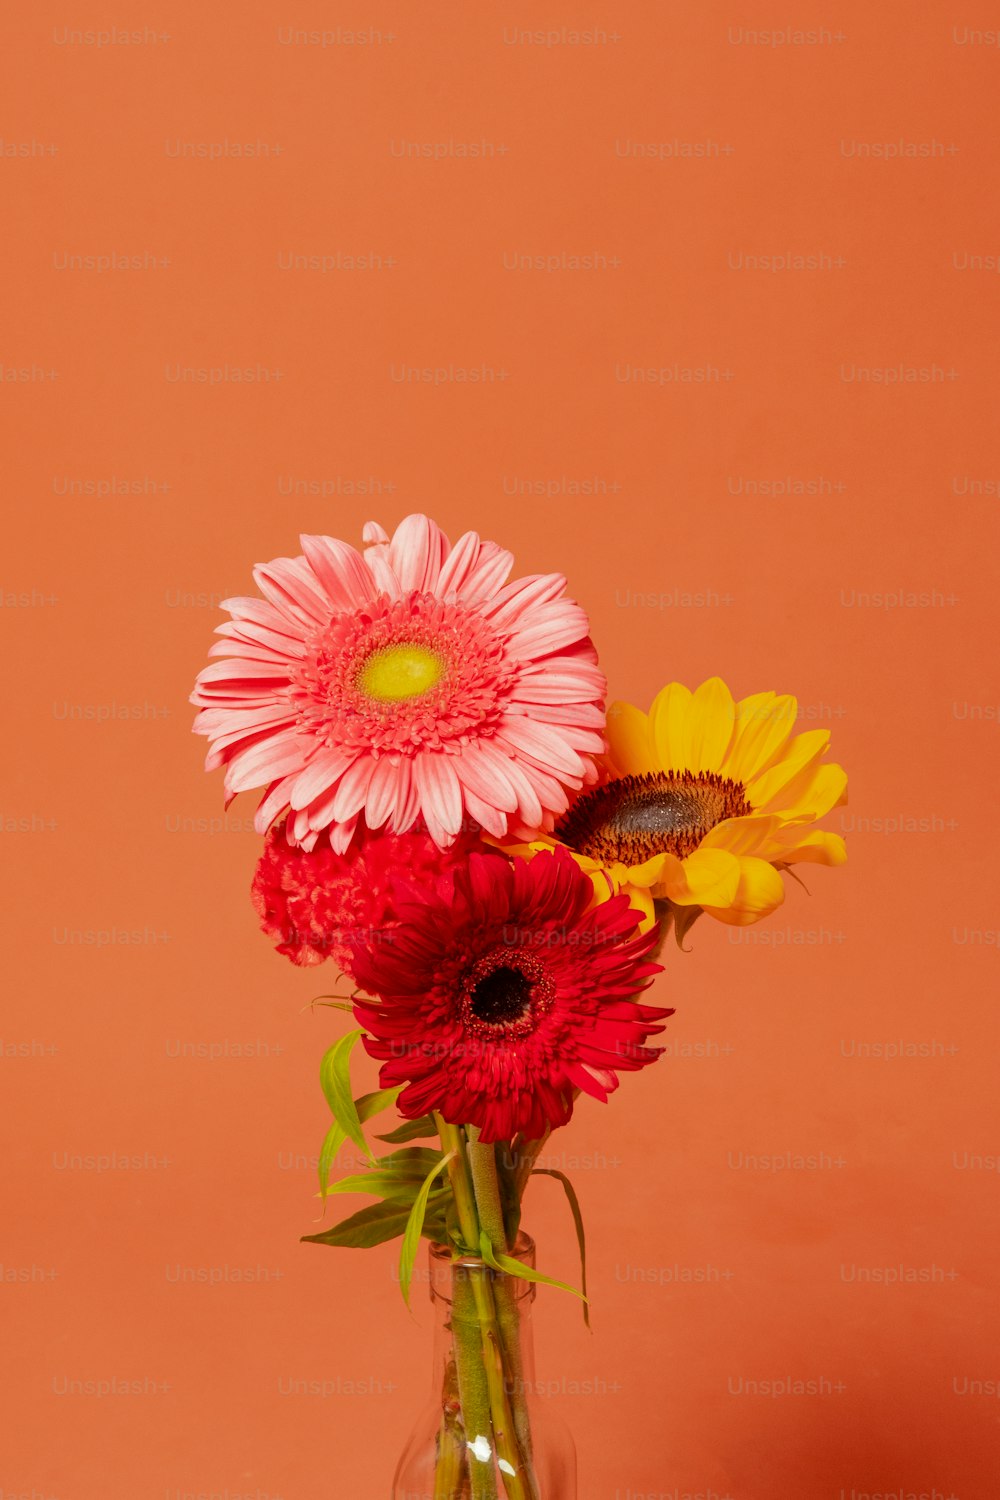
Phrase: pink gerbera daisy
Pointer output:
(408, 682)
(504, 990)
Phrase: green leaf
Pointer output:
(332, 1142)
(518, 1268)
(386, 1185)
(367, 1105)
(398, 1176)
(335, 1077)
(370, 1226)
(411, 1159)
(410, 1130)
(373, 1104)
(378, 1223)
(581, 1238)
(415, 1227)
(412, 1163)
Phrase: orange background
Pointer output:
(134, 954)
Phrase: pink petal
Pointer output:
(486, 777)
(407, 808)
(261, 635)
(528, 805)
(266, 761)
(561, 679)
(579, 715)
(342, 833)
(547, 746)
(224, 745)
(319, 814)
(242, 651)
(459, 563)
(549, 628)
(486, 814)
(238, 696)
(342, 572)
(487, 576)
(352, 789)
(259, 612)
(382, 572)
(522, 595)
(275, 801)
(233, 671)
(225, 721)
(322, 772)
(551, 793)
(584, 741)
(416, 552)
(440, 792)
(291, 588)
(381, 792)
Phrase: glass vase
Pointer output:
(484, 1434)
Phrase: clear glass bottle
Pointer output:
(484, 1434)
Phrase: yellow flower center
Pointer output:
(630, 820)
(395, 673)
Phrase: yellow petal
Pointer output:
(668, 720)
(706, 877)
(630, 739)
(764, 725)
(760, 891)
(817, 848)
(519, 850)
(604, 886)
(765, 791)
(813, 792)
(711, 724)
(642, 901)
(649, 873)
(543, 844)
(742, 835)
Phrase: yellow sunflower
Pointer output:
(703, 802)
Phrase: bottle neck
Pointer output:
(456, 1296)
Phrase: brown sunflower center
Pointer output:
(505, 993)
(664, 812)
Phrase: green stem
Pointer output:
(486, 1184)
(473, 1176)
(523, 1154)
(509, 1321)
(474, 1391)
(518, 1481)
(453, 1139)
(451, 1469)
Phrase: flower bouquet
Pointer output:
(493, 862)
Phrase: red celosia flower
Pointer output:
(503, 990)
(317, 904)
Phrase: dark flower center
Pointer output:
(505, 993)
(664, 812)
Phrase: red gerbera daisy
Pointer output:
(504, 990)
